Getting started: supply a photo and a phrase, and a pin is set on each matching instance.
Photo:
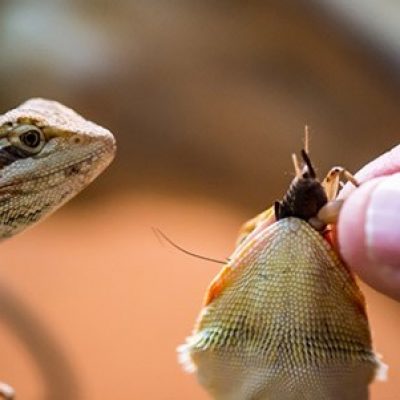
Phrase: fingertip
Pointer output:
(385, 165)
(367, 236)
(351, 236)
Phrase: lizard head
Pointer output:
(48, 153)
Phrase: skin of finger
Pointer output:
(386, 164)
(352, 242)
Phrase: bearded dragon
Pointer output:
(285, 318)
(48, 153)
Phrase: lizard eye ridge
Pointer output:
(28, 138)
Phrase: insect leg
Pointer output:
(332, 183)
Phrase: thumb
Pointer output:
(369, 233)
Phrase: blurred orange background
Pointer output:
(207, 102)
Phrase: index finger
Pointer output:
(386, 164)
(369, 224)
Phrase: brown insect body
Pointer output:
(305, 196)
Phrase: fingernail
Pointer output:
(383, 227)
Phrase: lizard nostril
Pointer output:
(76, 139)
(73, 170)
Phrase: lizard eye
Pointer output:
(28, 138)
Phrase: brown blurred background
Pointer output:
(207, 101)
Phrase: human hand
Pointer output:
(369, 224)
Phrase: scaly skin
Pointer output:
(288, 324)
(75, 151)
(48, 154)
(284, 319)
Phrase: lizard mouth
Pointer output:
(86, 168)
(26, 201)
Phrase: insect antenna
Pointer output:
(296, 165)
(159, 233)
(306, 139)
(306, 151)
(307, 162)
